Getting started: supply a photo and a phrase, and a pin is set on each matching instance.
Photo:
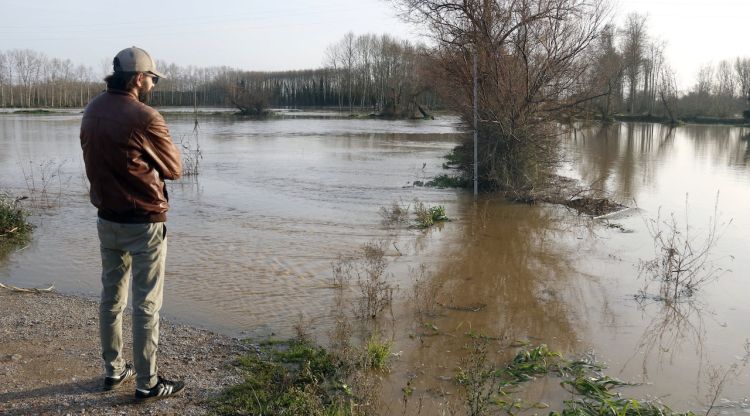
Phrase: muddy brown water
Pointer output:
(253, 237)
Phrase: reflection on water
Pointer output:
(253, 238)
(674, 327)
(516, 263)
(657, 167)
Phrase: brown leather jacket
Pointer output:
(128, 154)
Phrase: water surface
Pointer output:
(253, 237)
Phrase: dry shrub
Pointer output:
(375, 288)
(365, 386)
(397, 214)
(425, 293)
(356, 343)
(191, 156)
(44, 183)
(683, 261)
(718, 377)
(301, 330)
(342, 270)
(476, 377)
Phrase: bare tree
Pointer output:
(668, 92)
(606, 72)
(344, 55)
(705, 83)
(333, 58)
(634, 38)
(725, 77)
(27, 64)
(531, 67)
(652, 74)
(726, 86)
(742, 69)
(4, 78)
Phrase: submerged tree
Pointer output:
(531, 67)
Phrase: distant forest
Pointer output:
(368, 71)
(628, 74)
(629, 70)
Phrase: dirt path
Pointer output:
(50, 363)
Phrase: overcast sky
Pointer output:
(293, 34)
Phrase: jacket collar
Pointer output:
(122, 92)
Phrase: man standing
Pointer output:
(128, 154)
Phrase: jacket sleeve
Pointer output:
(162, 150)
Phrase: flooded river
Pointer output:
(254, 235)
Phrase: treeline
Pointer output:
(627, 74)
(31, 79)
(367, 71)
(380, 73)
(631, 75)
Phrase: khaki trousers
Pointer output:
(139, 250)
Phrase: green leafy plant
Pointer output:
(14, 226)
(427, 216)
(378, 353)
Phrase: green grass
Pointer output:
(297, 378)
(447, 181)
(14, 227)
(287, 378)
(593, 394)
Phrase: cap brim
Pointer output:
(158, 74)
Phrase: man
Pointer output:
(128, 154)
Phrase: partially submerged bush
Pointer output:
(397, 214)
(428, 216)
(683, 261)
(378, 353)
(376, 290)
(191, 156)
(447, 181)
(425, 294)
(425, 215)
(367, 269)
(14, 227)
(44, 183)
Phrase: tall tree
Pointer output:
(27, 65)
(607, 72)
(532, 63)
(634, 38)
(742, 69)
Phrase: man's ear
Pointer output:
(139, 79)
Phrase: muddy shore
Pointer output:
(50, 363)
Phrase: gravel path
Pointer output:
(50, 361)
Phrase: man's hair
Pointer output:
(121, 80)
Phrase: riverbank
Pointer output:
(702, 120)
(50, 360)
(230, 112)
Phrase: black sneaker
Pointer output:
(127, 374)
(163, 388)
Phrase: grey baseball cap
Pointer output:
(135, 59)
